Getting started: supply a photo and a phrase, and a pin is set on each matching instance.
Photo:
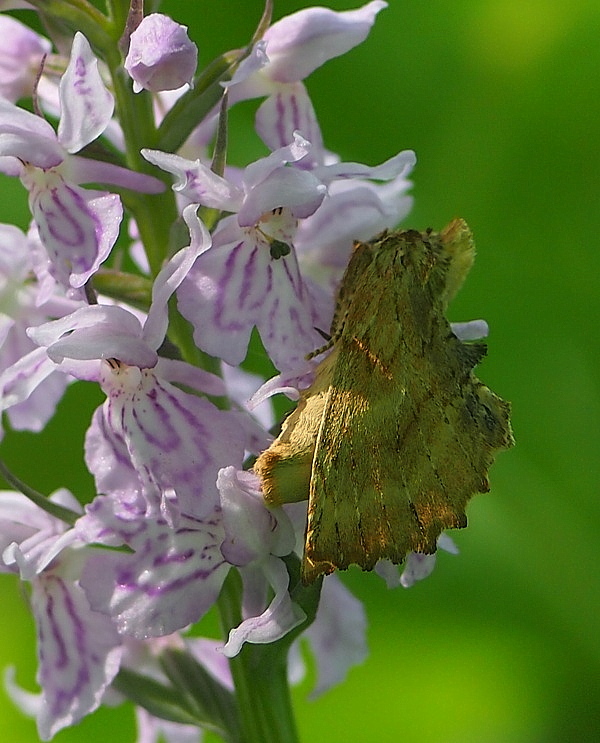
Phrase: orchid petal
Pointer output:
(233, 287)
(298, 190)
(174, 440)
(77, 226)
(171, 276)
(20, 519)
(20, 57)
(241, 385)
(196, 181)
(399, 165)
(171, 580)
(297, 148)
(288, 110)
(255, 61)
(152, 729)
(20, 379)
(114, 318)
(252, 530)
(161, 56)
(208, 652)
(472, 330)
(79, 653)
(105, 342)
(107, 458)
(28, 137)
(29, 703)
(352, 211)
(417, 566)
(281, 616)
(86, 104)
(180, 372)
(37, 552)
(303, 41)
(84, 170)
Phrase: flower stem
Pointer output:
(153, 214)
(260, 678)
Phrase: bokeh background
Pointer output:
(501, 101)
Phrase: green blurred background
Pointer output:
(500, 100)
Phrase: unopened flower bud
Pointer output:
(161, 55)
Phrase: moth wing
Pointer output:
(358, 503)
(398, 455)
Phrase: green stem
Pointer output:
(79, 15)
(154, 214)
(260, 678)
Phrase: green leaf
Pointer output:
(211, 702)
(194, 105)
(160, 700)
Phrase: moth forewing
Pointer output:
(396, 433)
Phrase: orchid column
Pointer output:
(178, 525)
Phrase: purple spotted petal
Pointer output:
(290, 110)
(78, 649)
(107, 457)
(338, 635)
(171, 580)
(77, 226)
(86, 105)
(281, 616)
(174, 440)
(233, 287)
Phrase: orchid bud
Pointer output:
(161, 55)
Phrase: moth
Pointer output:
(396, 433)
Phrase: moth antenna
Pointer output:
(322, 349)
